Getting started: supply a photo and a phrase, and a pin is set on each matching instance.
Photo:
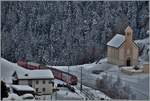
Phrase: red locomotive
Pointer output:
(58, 74)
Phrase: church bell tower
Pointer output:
(128, 33)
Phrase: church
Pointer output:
(122, 50)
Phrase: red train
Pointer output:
(58, 74)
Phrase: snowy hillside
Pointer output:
(69, 32)
(8, 68)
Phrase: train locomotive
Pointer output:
(58, 74)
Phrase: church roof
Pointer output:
(116, 41)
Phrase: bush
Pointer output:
(136, 68)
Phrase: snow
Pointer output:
(131, 70)
(102, 60)
(12, 96)
(59, 82)
(116, 41)
(144, 48)
(15, 97)
(28, 96)
(144, 41)
(36, 74)
(32, 63)
(137, 82)
(8, 68)
(64, 93)
(92, 94)
(22, 87)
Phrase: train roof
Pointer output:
(60, 70)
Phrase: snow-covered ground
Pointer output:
(8, 68)
(63, 94)
(139, 83)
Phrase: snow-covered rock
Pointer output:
(13, 96)
(28, 97)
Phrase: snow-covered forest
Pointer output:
(67, 32)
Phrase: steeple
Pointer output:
(128, 33)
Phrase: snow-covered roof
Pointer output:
(22, 88)
(116, 41)
(36, 74)
(34, 64)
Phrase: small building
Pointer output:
(40, 80)
(122, 50)
(22, 89)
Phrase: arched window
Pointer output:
(128, 34)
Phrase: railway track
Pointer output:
(87, 93)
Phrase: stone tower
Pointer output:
(128, 45)
(128, 33)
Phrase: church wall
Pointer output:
(121, 55)
(135, 54)
(113, 55)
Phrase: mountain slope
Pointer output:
(67, 32)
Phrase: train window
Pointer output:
(43, 81)
(37, 82)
